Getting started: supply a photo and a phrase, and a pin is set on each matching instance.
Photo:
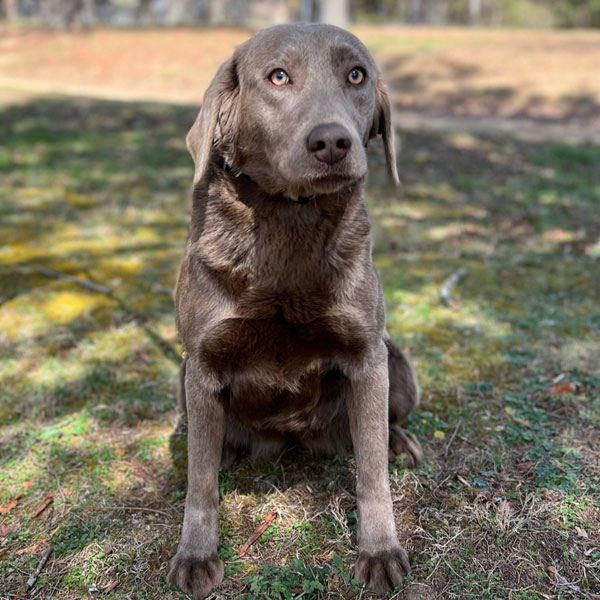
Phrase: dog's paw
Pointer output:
(195, 575)
(382, 571)
(404, 441)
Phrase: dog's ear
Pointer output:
(215, 124)
(382, 125)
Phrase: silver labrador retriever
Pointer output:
(279, 307)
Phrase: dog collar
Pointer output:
(221, 163)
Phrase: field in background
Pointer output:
(507, 504)
(545, 75)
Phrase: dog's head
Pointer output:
(293, 109)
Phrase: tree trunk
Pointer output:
(335, 12)
(8, 10)
(474, 12)
(182, 12)
(216, 12)
(64, 14)
(307, 11)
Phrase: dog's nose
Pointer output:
(329, 142)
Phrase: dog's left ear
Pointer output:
(382, 125)
(215, 125)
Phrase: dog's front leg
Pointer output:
(382, 561)
(196, 567)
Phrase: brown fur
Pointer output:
(279, 307)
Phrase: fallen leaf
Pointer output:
(28, 550)
(8, 507)
(564, 388)
(27, 484)
(440, 435)
(507, 508)
(137, 469)
(258, 532)
(524, 466)
(110, 586)
(44, 505)
(5, 531)
(144, 356)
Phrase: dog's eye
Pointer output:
(356, 76)
(279, 77)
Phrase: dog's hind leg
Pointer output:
(404, 396)
(181, 401)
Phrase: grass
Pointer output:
(507, 504)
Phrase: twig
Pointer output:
(446, 549)
(140, 319)
(110, 587)
(45, 504)
(31, 581)
(259, 531)
(85, 283)
(452, 438)
(448, 285)
(140, 508)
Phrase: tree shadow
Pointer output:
(419, 92)
(100, 190)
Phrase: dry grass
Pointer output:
(507, 504)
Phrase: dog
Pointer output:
(279, 307)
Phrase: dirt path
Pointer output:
(532, 84)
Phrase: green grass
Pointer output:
(510, 487)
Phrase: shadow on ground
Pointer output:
(100, 190)
(446, 87)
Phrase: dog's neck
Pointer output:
(222, 163)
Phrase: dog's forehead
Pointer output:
(314, 42)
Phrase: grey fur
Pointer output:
(279, 307)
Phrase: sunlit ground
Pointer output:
(507, 504)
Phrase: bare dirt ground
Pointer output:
(543, 75)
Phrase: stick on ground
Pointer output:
(85, 283)
(259, 531)
(31, 581)
(448, 285)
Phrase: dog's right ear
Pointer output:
(382, 125)
(215, 124)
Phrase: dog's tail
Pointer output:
(181, 400)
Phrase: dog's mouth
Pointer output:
(334, 178)
(321, 184)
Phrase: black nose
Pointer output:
(329, 142)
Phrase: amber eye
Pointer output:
(279, 77)
(356, 76)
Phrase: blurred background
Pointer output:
(489, 256)
(261, 13)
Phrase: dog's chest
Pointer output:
(279, 373)
(273, 344)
